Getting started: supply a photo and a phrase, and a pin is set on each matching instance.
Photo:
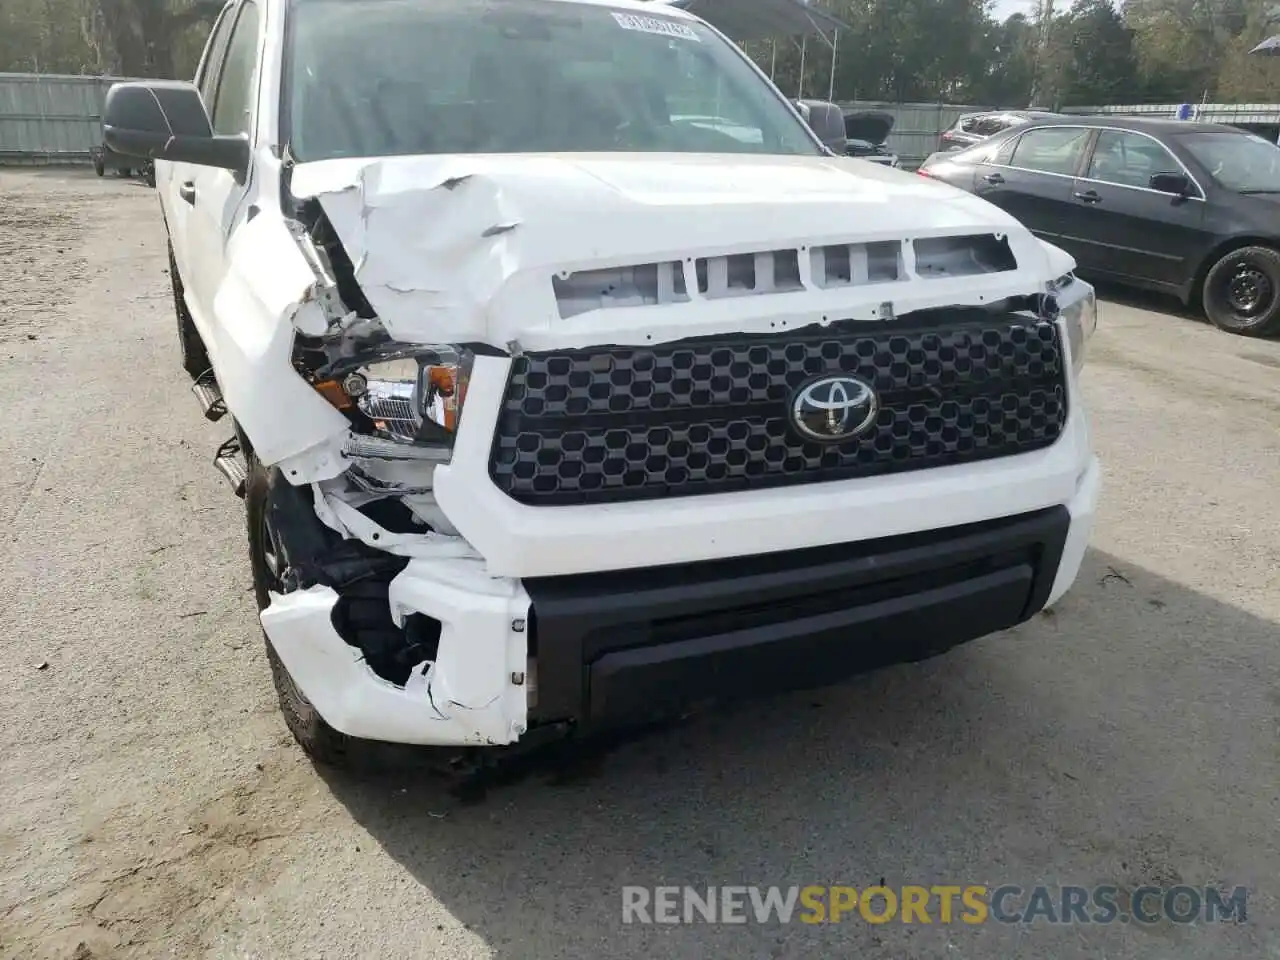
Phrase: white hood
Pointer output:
(465, 247)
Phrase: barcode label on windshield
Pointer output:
(664, 28)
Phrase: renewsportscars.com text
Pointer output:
(971, 904)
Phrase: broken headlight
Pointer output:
(1078, 307)
(404, 400)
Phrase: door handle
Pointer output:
(1088, 196)
(993, 178)
(188, 192)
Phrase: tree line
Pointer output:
(1089, 53)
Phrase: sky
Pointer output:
(1002, 9)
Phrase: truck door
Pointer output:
(215, 198)
(169, 175)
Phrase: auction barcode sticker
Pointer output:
(664, 28)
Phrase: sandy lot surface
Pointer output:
(153, 805)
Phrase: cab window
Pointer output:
(236, 84)
(207, 74)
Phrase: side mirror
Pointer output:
(166, 120)
(1175, 183)
(827, 121)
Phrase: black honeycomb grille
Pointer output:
(712, 415)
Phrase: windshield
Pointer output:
(1237, 161)
(385, 77)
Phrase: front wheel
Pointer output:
(319, 740)
(1242, 292)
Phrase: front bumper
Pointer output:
(626, 645)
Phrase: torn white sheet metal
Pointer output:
(482, 658)
(336, 506)
(467, 696)
(464, 249)
(267, 282)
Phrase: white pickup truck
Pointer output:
(556, 409)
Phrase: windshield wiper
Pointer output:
(1250, 193)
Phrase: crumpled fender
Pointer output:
(267, 284)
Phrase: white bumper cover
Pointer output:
(474, 693)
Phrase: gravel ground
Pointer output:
(152, 804)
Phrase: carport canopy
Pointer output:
(746, 20)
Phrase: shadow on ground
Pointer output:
(1098, 743)
(1148, 300)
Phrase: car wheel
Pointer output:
(99, 168)
(1242, 292)
(149, 176)
(319, 740)
(195, 359)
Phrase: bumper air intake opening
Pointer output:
(362, 617)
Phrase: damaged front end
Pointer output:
(393, 634)
(384, 617)
(411, 306)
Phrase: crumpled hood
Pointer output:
(439, 242)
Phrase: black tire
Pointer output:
(149, 176)
(195, 359)
(319, 740)
(99, 168)
(1242, 292)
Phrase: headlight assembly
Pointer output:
(404, 400)
(1078, 307)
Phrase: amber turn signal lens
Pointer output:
(332, 391)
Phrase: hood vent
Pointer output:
(963, 256)
(856, 264)
(778, 271)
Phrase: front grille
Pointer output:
(711, 415)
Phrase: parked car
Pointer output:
(973, 128)
(1191, 209)
(104, 159)
(865, 134)
(551, 413)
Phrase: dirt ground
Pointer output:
(153, 805)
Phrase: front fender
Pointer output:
(251, 348)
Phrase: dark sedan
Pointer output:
(1191, 209)
(973, 128)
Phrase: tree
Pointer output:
(1007, 62)
(1182, 45)
(1094, 60)
(145, 34)
(139, 38)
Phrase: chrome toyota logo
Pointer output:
(834, 408)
